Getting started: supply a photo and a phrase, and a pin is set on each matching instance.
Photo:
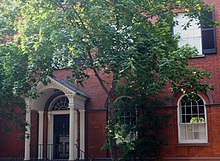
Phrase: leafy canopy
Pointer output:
(130, 38)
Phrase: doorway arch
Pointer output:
(51, 96)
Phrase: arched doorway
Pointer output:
(58, 128)
(61, 121)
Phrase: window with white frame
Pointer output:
(192, 34)
(126, 120)
(60, 103)
(192, 120)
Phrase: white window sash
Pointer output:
(192, 35)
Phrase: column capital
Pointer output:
(70, 97)
(40, 112)
(71, 100)
(29, 102)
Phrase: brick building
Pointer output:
(65, 117)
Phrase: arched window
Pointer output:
(59, 103)
(126, 118)
(192, 120)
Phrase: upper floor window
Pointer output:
(201, 38)
(192, 121)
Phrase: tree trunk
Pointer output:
(111, 131)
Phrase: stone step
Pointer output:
(19, 159)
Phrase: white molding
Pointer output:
(40, 134)
(82, 132)
(202, 141)
(27, 134)
(53, 84)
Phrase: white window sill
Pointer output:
(193, 144)
(198, 56)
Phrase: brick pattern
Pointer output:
(10, 142)
(211, 150)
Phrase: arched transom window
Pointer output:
(192, 120)
(59, 103)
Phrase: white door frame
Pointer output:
(50, 135)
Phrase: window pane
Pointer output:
(126, 119)
(191, 35)
(195, 111)
(201, 110)
(193, 131)
(208, 41)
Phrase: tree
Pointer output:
(131, 40)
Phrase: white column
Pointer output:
(50, 136)
(76, 130)
(72, 137)
(82, 132)
(27, 133)
(40, 134)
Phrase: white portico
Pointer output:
(61, 121)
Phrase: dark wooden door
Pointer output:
(61, 136)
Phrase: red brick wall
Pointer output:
(34, 133)
(211, 63)
(96, 133)
(10, 141)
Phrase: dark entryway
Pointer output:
(61, 136)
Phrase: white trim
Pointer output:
(27, 134)
(54, 84)
(82, 132)
(59, 112)
(72, 126)
(50, 129)
(178, 121)
(50, 135)
(40, 134)
(72, 136)
(29, 104)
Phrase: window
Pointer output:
(126, 120)
(192, 35)
(60, 103)
(192, 120)
(201, 38)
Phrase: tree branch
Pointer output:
(97, 74)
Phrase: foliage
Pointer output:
(139, 127)
(197, 119)
(129, 40)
